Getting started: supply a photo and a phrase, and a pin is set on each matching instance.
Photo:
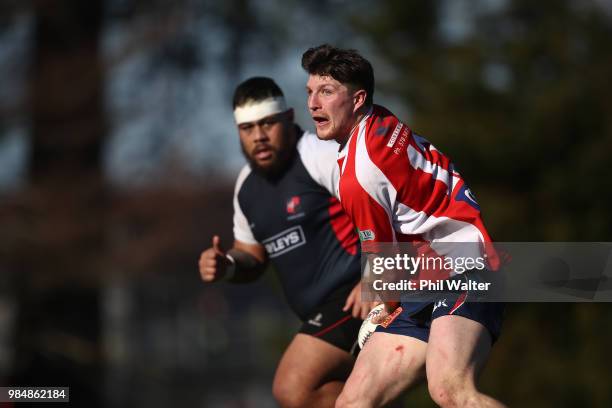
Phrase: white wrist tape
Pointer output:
(230, 271)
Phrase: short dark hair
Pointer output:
(255, 89)
(345, 66)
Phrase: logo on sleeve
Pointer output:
(395, 134)
(366, 235)
(285, 241)
(464, 194)
(403, 133)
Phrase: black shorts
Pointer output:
(329, 323)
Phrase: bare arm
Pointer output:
(243, 263)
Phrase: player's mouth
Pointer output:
(320, 121)
(263, 153)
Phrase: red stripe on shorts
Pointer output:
(338, 323)
(460, 301)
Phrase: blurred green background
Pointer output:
(118, 155)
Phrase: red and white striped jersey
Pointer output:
(397, 187)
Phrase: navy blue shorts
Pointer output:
(415, 318)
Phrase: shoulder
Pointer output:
(383, 128)
(242, 176)
(317, 153)
(319, 158)
(386, 137)
(310, 146)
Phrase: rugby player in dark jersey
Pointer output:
(285, 213)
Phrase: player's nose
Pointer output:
(259, 133)
(313, 102)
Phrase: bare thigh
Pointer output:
(309, 362)
(458, 348)
(387, 365)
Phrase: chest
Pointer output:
(349, 186)
(284, 209)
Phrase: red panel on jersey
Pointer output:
(365, 212)
(342, 226)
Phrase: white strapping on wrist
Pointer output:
(230, 271)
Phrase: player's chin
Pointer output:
(325, 134)
(268, 168)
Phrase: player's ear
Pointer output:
(359, 99)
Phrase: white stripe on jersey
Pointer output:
(418, 161)
(319, 158)
(242, 230)
(371, 178)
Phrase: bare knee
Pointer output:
(347, 399)
(452, 391)
(289, 394)
(353, 396)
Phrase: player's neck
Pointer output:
(359, 115)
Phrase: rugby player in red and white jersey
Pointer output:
(397, 187)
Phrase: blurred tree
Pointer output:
(67, 232)
(62, 231)
(520, 102)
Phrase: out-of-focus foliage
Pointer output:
(522, 104)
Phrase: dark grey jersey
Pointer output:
(309, 239)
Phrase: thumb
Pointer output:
(216, 241)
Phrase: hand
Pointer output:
(213, 262)
(360, 309)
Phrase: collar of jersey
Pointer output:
(342, 149)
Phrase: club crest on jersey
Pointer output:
(285, 241)
(466, 195)
(366, 235)
(293, 205)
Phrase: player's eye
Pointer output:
(326, 91)
(271, 120)
(246, 127)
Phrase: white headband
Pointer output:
(255, 110)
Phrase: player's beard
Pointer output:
(281, 158)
